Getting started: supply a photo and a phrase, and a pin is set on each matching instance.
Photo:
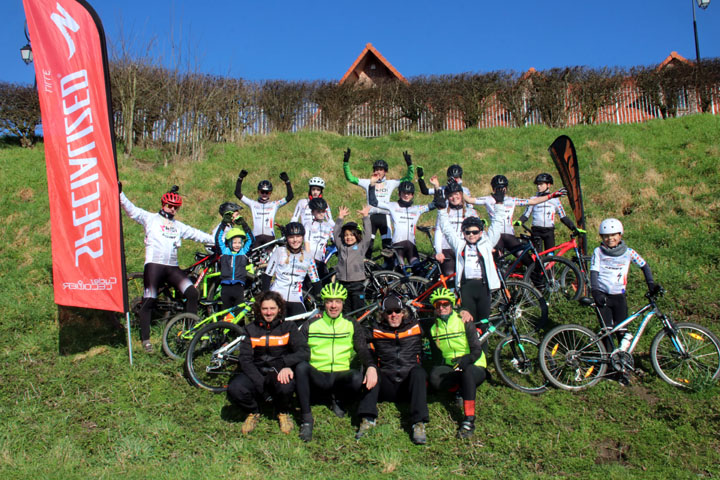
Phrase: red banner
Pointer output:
(71, 68)
(563, 154)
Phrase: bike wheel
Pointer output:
(205, 367)
(562, 280)
(175, 339)
(378, 285)
(516, 361)
(409, 287)
(526, 307)
(697, 364)
(572, 358)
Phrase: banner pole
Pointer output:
(129, 337)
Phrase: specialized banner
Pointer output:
(73, 84)
(563, 154)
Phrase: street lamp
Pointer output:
(26, 51)
(702, 4)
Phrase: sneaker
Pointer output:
(365, 426)
(250, 423)
(306, 429)
(623, 380)
(337, 409)
(467, 427)
(418, 434)
(286, 423)
(147, 346)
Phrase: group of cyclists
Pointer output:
(333, 358)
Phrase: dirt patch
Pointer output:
(26, 194)
(640, 391)
(611, 451)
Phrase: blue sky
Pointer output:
(320, 39)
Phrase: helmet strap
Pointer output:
(405, 204)
(263, 200)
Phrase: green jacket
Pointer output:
(333, 343)
(458, 342)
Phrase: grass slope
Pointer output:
(89, 414)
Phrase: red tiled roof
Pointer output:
(370, 49)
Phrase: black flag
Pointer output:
(563, 154)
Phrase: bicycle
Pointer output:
(212, 355)
(580, 260)
(573, 357)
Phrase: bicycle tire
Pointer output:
(202, 367)
(527, 307)
(572, 358)
(382, 280)
(702, 360)
(409, 287)
(516, 361)
(174, 343)
(562, 280)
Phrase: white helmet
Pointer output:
(317, 182)
(610, 226)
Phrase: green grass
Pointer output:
(88, 414)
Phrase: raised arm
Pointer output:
(410, 174)
(238, 184)
(289, 195)
(346, 168)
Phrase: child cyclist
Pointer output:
(379, 218)
(454, 175)
(233, 265)
(302, 211)
(608, 273)
(287, 268)
(352, 244)
(263, 209)
(543, 216)
(317, 233)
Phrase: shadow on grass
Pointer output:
(80, 329)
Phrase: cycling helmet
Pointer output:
(610, 226)
(472, 222)
(454, 171)
(235, 232)
(316, 182)
(229, 207)
(406, 187)
(453, 187)
(265, 185)
(442, 294)
(318, 204)
(294, 228)
(380, 164)
(172, 198)
(544, 178)
(334, 290)
(499, 181)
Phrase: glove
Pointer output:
(346, 156)
(421, 172)
(559, 193)
(484, 223)
(439, 199)
(407, 157)
(242, 174)
(654, 288)
(599, 297)
(284, 177)
(463, 362)
(174, 189)
(228, 217)
(579, 231)
(241, 221)
(499, 196)
(517, 223)
(119, 186)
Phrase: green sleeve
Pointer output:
(409, 175)
(348, 175)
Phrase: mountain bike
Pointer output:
(580, 260)
(212, 355)
(573, 357)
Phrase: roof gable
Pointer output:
(369, 66)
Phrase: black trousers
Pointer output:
(448, 266)
(232, 295)
(615, 310)
(444, 378)
(155, 275)
(243, 392)
(511, 244)
(543, 238)
(356, 296)
(413, 388)
(475, 298)
(378, 222)
(344, 385)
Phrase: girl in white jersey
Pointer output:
(302, 213)
(263, 209)
(163, 237)
(318, 231)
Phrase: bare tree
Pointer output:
(19, 111)
(411, 99)
(513, 95)
(707, 82)
(338, 102)
(662, 88)
(550, 95)
(281, 101)
(439, 100)
(595, 89)
(471, 92)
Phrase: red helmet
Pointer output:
(172, 199)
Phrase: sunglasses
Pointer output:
(472, 232)
(442, 303)
(174, 207)
(393, 311)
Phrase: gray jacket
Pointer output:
(351, 258)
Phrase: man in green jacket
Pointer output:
(333, 342)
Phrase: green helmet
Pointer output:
(333, 290)
(442, 294)
(235, 232)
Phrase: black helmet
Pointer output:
(453, 187)
(472, 222)
(265, 185)
(499, 181)
(454, 171)
(318, 204)
(229, 207)
(294, 228)
(544, 178)
(380, 164)
(406, 187)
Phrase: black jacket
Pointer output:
(396, 350)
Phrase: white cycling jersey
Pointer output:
(510, 204)
(317, 235)
(383, 191)
(431, 191)
(288, 271)
(404, 219)
(163, 236)
(263, 214)
(455, 217)
(613, 271)
(543, 214)
(303, 214)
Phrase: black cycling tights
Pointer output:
(378, 221)
(156, 275)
